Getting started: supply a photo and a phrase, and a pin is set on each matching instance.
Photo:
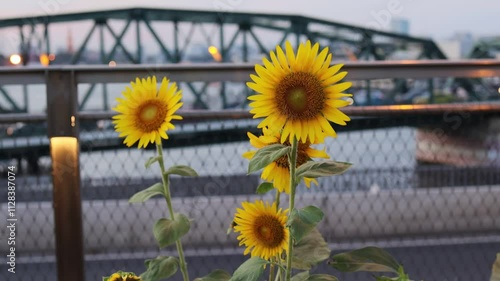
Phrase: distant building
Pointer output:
(400, 25)
(466, 41)
(458, 46)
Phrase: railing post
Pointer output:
(63, 133)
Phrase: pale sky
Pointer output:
(439, 19)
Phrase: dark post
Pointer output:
(63, 132)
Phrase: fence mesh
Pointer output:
(427, 189)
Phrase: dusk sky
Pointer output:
(427, 17)
(438, 19)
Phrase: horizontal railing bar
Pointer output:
(355, 111)
(240, 72)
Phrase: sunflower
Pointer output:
(145, 113)
(300, 93)
(123, 276)
(278, 172)
(262, 229)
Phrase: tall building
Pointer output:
(466, 41)
(400, 25)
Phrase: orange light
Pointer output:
(44, 60)
(15, 59)
(52, 57)
(215, 53)
(112, 63)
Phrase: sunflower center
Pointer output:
(269, 231)
(150, 115)
(302, 156)
(300, 96)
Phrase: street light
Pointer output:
(15, 59)
(215, 53)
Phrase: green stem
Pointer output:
(271, 271)
(293, 165)
(278, 193)
(168, 198)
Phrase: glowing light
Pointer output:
(15, 59)
(52, 57)
(213, 50)
(112, 63)
(73, 121)
(44, 60)
(499, 90)
(215, 53)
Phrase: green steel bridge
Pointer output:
(163, 36)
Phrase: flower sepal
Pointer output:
(122, 276)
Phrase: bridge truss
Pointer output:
(120, 36)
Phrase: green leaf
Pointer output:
(168, 231)
(216, 275)
(316, 169)
(264, 188)
(251, 270)
(266, 156)
(151, 160)
(322, 277)
(143, 195)
(310, 251)
(300, 276)
(495, 271)
(160, 268)
(181, 170)
(302, 221)
(370, 259)
(304, 276)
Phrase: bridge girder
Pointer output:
(228, 28)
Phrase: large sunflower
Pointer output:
(262, 229)
(145, 113)
(278, 172)
(299, 93)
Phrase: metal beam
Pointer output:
(240, 72)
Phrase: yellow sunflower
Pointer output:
(122, 276)
(262, 229)
(299, 93)
(278, 172)
(145, 113)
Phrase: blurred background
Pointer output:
(426, 178)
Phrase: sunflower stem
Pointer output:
(278, 193)
(168, 198)
(293, 165)
(271, 270)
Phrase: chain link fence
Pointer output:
(427, 189)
